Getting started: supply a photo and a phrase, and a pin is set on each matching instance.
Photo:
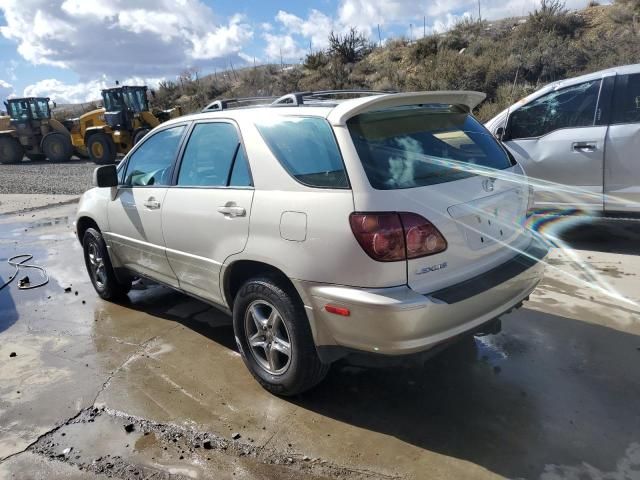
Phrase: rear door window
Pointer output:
(210, 156)
(569, 107)
(423, 145)
(307, 149)
(626, 99)
(151, 163)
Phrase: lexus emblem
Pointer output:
(487, 184)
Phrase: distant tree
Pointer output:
(350, 47)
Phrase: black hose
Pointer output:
(17, 264)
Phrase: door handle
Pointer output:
(584, 146)
(232, 210)
(151, 203)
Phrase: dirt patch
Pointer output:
(114, 444)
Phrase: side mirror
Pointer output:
(499, 133)
(105, 176)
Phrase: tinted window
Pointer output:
(423, 145)
(240, 176)
(209, 155)
(151, 163)
(626, 99)
(307, 149)
(573, 106)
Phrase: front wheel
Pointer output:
(101, 148)
(274, 337)
(103, 278)
(57, 147)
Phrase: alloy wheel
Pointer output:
(268, 337)
(96, 264)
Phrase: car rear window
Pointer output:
(307, 149)
(423, 145)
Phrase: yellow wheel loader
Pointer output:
(30, 130)
(125, 118)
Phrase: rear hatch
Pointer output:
(436, 160)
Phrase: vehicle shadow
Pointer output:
(546, 391)
(603, 235)
(8, 313)
(608, 235)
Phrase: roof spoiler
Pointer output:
(344, 111)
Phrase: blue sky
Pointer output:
(70, 49)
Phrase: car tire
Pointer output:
(101, 273)
(139, 135)
(57, 147)
(101, 148)
(10, 150)
(268, 301)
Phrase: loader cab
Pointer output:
(135, 98)
(123, 104)
(115, 108)
(26, 110)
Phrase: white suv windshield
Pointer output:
(423, 145)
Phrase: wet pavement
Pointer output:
(154, 388)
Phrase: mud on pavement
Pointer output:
(102, 441)
(155, 388)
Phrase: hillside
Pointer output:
(505, 59)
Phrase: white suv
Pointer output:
(388, 224)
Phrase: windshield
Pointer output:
(136, 99)
(24, 109)
(423, 145)
(112, 100)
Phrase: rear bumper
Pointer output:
(399, 321)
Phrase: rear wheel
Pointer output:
(57, 147)
(96, 258)
(101, 148)
(274, 337)
(140, 135)
(10, 150)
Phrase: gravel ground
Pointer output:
(69, 178)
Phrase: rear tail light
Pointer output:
(390, 237)
(421, 236)
(380, 235)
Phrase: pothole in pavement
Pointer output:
(121, 446)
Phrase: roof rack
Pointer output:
(226, 103)
(297, 98)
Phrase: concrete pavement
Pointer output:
(555, 395)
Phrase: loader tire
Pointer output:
(101, 148)
(139, 135)
(57, 147)
(10, 150)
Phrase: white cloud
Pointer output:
(316, 27)
(66, 93)
(282, 46)
(122, 37)
(223, 40)
(6, 90)
(80, 92)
